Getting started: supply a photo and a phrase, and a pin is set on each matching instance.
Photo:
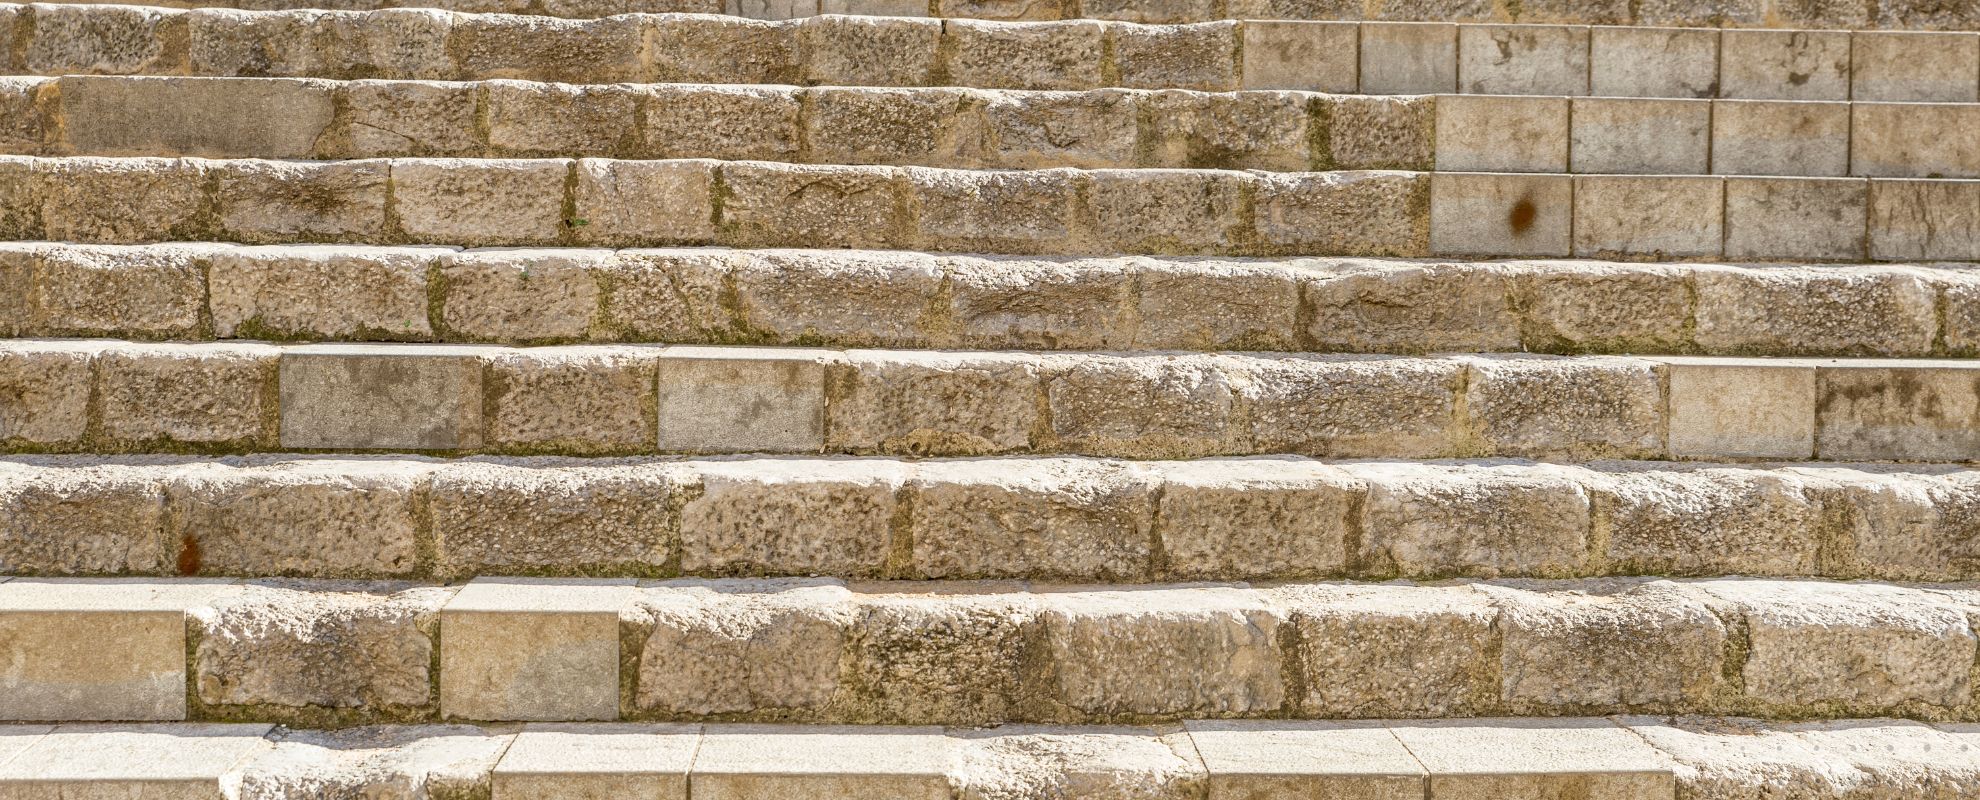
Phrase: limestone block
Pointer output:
(480, 202)
(734, 122)
(1607, 645)
(1172, 407)
(1255, 518)
(1508, 215)
(865, 298)
(97, 649)
(1433, 520)
(790, 517)
(1249, 130)
(1523, 59)
(521, 296)
(1305, 759)
(1492, 133)
(752, 762)
(1039, 303)
(1848, 16)
(1037, 761)
(771, 9)
(92, 199)
(702, 50)
(1915, 15)
(876, 8)
(1596, 307)
(1217, 305)
(1653, 62)
(1001, 212)
(216, 117)
(607, 50)
(286, 201)
(202, 395)
(320, 291)
(126, 40)
(1626, 135)
(1373, 650)
(1855, 646)
(1481, 758)
(1384, 307)
(1924, 220)
(1201, 56)
(21, 198)
(376, 761)
(1409, 57)
(29, 116)
(154, 292)
(162, 761)
(1309, 56)
(1776, 137)
(1784, 65)
(1002, 55)
(82, 519)
(889, 126)
(528, 119)
(381, 397)
(1728, 757)
(313, 518)
(1645, 215)
(1346, 407)
(1813, 311)
(869, 51)
(957, 653)
(1151, 11)
(1166, 211)
(533, 649)
(572, 400)
(1811, 218)
(1091, 129)
(917, 403)
(736, 399)
(789, 205)
(1902, 526)
(294, 645)
(1741, 408)
(1709, 521)
(409, 43)
(1536, 407)
(1380, 132)
(1900, 66)
(644, 202)
(1195, 652)
(404, 118)
(666, 294)
(1910, 140)
(1059, 517)
(1347, 213)
(1905, 411)
(742, 646)
(551, 761)
(562, 519)
(1897, 756)
(44, 392)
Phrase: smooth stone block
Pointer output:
(382, 397)
(1784, 65)
(1870, 410)
(1794, 218)
(1408, 57)
(532, 649)
(766, 762)
(1494, 133)
(1297, 54)
(1497, 214)
(1917, 66)
(1639, 136)
(1912, 220)
(1775, 137)
(1489, 759)
(96, 649)
(1666, 216)
(1284, 760)
(1741, 407)
(1653, 62)
(587, 761)
(1523, 59)
(715, 399)
(153, 762)
(1914, 140)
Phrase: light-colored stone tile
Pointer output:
(1646, 215)
(1913, 140)
(761, 762)
(571, 762)
(742, 399)
(1498, 214)
(1486, 758)
(1917, 66)
(1872, 410)
(292, 646)
(1899, 756)
(169, 762)
(1653, 62)
(533, 649)
(1784, 65)
(1814, 310)
(1924, 220)
(1409, 57)
(375, 761)
(1779, 137)
(1640, 136)
(1719, 757)
(1281, 759)
(1499, 133)
(1741, 408)
(97, 649)
(744, 647)
(1310, 56)
(382, 397)
(1796, 218)
(1433, 520)
(1086, 761)
(1523, 59)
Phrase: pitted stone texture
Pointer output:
(1063, 517)
(870, 51)
(1345, 407)
(1201, 56)
(1002, 55)
(85, 290)
(1255, 518)
(310, 290)
(204, 396)
(1143, 407)
(1040, 304)
(1381, 132)
(533, 649)
(44, 392)
(1899, 757)
(1920, 220)
(1707, 522)
(643, 202)
(388, 43)
(1163, 211)
(97, 649)
(1359, 306)
(1092, 129)
(520, 296)
(83, 519)
(887, 126)
(1914, 411)
(790, 205)
(1369, 213)
(213, 117)
(552, 119)
(553, 519)
(480, 202)
(111, 40)
(1580, 408)
(1607, 645)
(1028, 211)
(702, 50)
(741, 647)
(391, 118)
(765, 516)
(546, 48)
(1234, 305)
(912, 403)
(437, 761)
(1016, 762)
(742, 122)
(728, 400)
(1426, 520)
(1198, 652)
(302, 517)
(1594, 306)
(860, 299)
(956, 653)
(299, 646)
(1393, 650)
(1813, 310)
(590, 400)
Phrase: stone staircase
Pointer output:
(990, 400)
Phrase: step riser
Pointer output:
(109, 397)
(972, 654)
(609, 203)
(1106, 521)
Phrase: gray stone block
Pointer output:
(1523, 59)
(382, 397)
(1498, 214)
(1640, 136)
(1653, 62)
(1498, 133)
(1784, 65)
(1409, 57)
(1661, 216)
(1795, 218)
(1774, 137)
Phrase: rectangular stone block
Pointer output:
(316, 518)
(570, 762)
(1426, 521)
(1655, 216)
(858, 298)
(1924, 220)
(1309, 56)
(1784, 65)
(1379, 132)
(788, 205)
(1729, 520)
(1653, 62)
(1773, 137)
(999, 212)
(92, 199)
(1283, 760)
(791, 518)
(922, 403)
(1913, 140)
(380, 119)
(304, 291)
(1634, 136)
(1062, 55)
(97, 649)
(214, 117)
(1496, 133)
(1806, 310)
(1591, 407)
(1118, 652)
(1255, 518)
(1915, 66)
(1869, 410)
(201, 395)
(85, 520)
(1165, 211)
(1345, 406)
(704, 50)
(1850, 645)
(729, 400)
(1487, 758)
(1793, 218)
(382, 397)
(289, 201)
(150, 292)
(1202, 56)
(169, 762)
(123, 41)
(589, 400)
(1374, 307)
(362, 649)
(622, 203)
(742, 646)
(44, 391)
(870, 51)
(1611, 644)
(1065, 518)
(1409, 58)
(1249, 130)
(1523, 59)
(577, 51)
(1394, 649)
(1096, 129)
(503, 519)
(721, 121)
(1365, 213)
(763, 762)
(531, 120)
(1741, 408)
(1146, 408)
(1244, 307)
(522, 296)
(480, 201)
(532, 649)
(995, 302)
(1497, 214)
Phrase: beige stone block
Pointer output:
(17, 303)
(860, 298)
(1777, 137)
(1902, 411)
(480, 202)
(295, 645)
(550, 120)
(1363, 213)
(1430, 521)
(732, 122)
(1913, 140)
(1409, 57)
(1160, 763)
(1814, 311)
(1902, 526)
(1494, 214)
(152, 292)
(790, 517)
(1255, 518)
(1636, 136)
(742, 399)
(583, 400)
(1784, 65)
(1305, 759)
(1191, 652)
(788, 205)
(108, 200)
(1374, 650)
(404, 118)
(571, 761)
(752, 762)
(1166, 211)
(169, 762)
(869, 51)
(21, 198)
(1723, 756)
(310, 518)
(84, 40)
(533, 649)
(771, 9)
(1914, 66)
(200, 395)
(84, 519)
(1039, 303)
(1000, 212)
(1523, 59)
(1201, 56)
(521, 296)
(440, 760)
(665, 295)
(1346, 406)
(1309, 56)
(876, 8)
(1741, 408)
(1003, 55)
(1588, 407)
(1656, 216)
(1653, 62)
(1708, 521)
(215, 117)
(97, 649)
(382, 397)
(1030, 130)
(702, 50)
(1217, 305)
(1380, 132)
(1600, 307)
(579, 51)
(326, 291)
(29, 111)
(1492, 133)
(951, 404)
(1924, 220)
(742, 647)
(1151, 11)
(44, 391)
(1162, 407)
(644, 202)
(287, 201)
(1608, 645)
(1796, 218)
(1482, 758)
(1044, 518)
(566, 518)
(1265, 130)
(401, 44)
(955, 653)
(1355, 306)
(929, 127)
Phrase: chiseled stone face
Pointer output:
(1367, 213)
(1199, 652)
(480, 202)
(321, 291)
(123, 200)
(1607, 645)
(97, 649)
(563, 519)
(997, 55)
(1088, 129)
(1075, 518)
(304, 517)
(1297, 54)
(730, 400)
(913, 403)
(263, 201)
(1711, 521)
(1601, 307)
(364, 646)
(1433, 521)
(1536, 407)
(1376, 651)
(776, 517)
(742, 647)
(1047, 304)
(84, 520)
(1001, 212)
(572, 400)
(701, 50)
(1784, 65)
(520, 296)
(1814, 311)
(1107, 763)
(1372, 306)
(855, 299)
(532, 649)
(206, 395)
(1255, 518)
(529, 119)
(938, 653)
(793, 205)
(1346, 407)
(869, 51)
(1161, 211)
(889, 126)
(1217, 306)
(1180, 407)
(1380, 132)
(90, 290)
(488, 46)
(1200, 56)
(381, 118)
(1920, 220)
(1881, 412)
(109, 41)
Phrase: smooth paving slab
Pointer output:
(1283, 760)
(1485, 759)
(761, 762)
(97, 649)
(533, 649)
(106, 762)
(573, 761)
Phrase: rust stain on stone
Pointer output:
(1521, 217)
(189, 555)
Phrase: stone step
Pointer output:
(1066, 519)
(819, 650)
(614, 203)
(85, 396)
(912, 300)
(1346, 57)
(1280, 131)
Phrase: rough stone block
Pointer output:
(1772, 137)
(1255, 518)
(1597, 307)
(1002, 55)
(564, 519)
(1723, 756)
(376, 761)
(1591, 407)
(1366, 213)
(201, 395)
(1201, 56)
(1924, 220)
(1386, 307)
(44, 391)
(1432, 521)
(215, 117)
(1093, 129)
(1708, 521)
(644, 202)
(533, 649)
(1212, 306)
(1409, 58)
(1249, 130)
(869, 298)
(703, 50)
(566, 761)
(1741, 408)
(744, 762)
(21, 199)
(106, 41)
(665, 295)
(732, 122)
(1166, 211)
(1635, 136)
(1915, 66)
(320, 291)
(1380, 132)
(1523, 59)
(955, 653)
(1784, 65)
(382, 397)
(912, 403)
(1653, 62)
(1070, 518)
(1812, 218)
(521, 296)
(91, 199)
(97, 649)
(1144, 407)
(1508, 215)
(869, 51)
(1040, 304)
(1903, 411)
(1657, 216)
(298, 645)
(1592, 758)
(1346, 407)
(311, 518)
(164, 761)
(1374, 650)
(1492, 133)
(791, 518)
(1309, 56)
(400, 44)
(1192, 652)
(286, 201)
(1305, 759)
(529, 119)
(1608, 645)
(889, 126)
(1814, 310)
(402, 118)
(152, 292)
(742, 647)
(586, 51)
(480, 202)
(1000, 212)
(787, 205)
(737, 399)
(1911, 140)
(572, 400)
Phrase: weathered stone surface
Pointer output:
(1523, 59)
(1265, 130)
(309, 290)
(741, 647)
(1653, 62)
(1376, 650)
(1409, 57)
(788, 205)
(1597, 307)
(735, 122)
(1345, 407)
(1379, 307)
(736, 400)
(791, 517)
(388, 43)
(381, 761)
(1505, 215)
(572, 400)
(97, 649)
(1784, 65)
(302, 517)
(1200, 652)
(1075, 518)
(1025, 761)
(529, 119)
(216, 117)
(277, 201)
(1310, 56)
(1905, 140)
(83, 519)
(520, 296)
(747, 762)
(89, 199)
(859, 299)
(1200, 56)
(600, 760)
(1812, 311)
(1657, 217)
(1001, 55)
(1764, 137)
(1632, 135)
(199, 395)
(1230, 305)
(481, 201)
(1741, 408)
(563, 519)
(1380, 132)
(1027, 211)
(154, 292)
(297, 646)
(1898, 756)
(1366, 213)
(1916, 411)
(1038, 303)
(666, 295)
(1255, 518)
(1923, 220)
(382, 397)
(1850, 647)
(1432, 520)
(870, 51)
(1492, 133)
(1483, 758)
(164, 761)
(957, 653)
(121, 40)
(1090, 129)
(398, 118)
(1308, 759)
(1593, 407)
(1173, 407)
(1607, 645)
(888, 126)
(914, 403)
(1914, 66)
(1737, 757)
(1166, 211)
(547, 48)
(703, 50)
(533, 649)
